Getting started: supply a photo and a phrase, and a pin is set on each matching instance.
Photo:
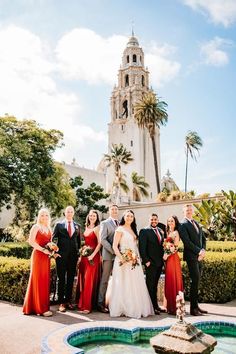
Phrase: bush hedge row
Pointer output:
(218, 280)
(14, 276)
(216, 246)
(24, 250)
(15, 249)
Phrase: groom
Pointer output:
(107, 231)
(194, 252)
(151, 250)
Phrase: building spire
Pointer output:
(132, 27)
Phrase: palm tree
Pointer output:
(150, 113)
(139, 187)
(193, 143)
(118, 156)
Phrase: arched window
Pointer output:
(126, 80)
(143, 81)
(141, 60)
(131, 143)
(134, 58)
(127, 59)
(125, 109)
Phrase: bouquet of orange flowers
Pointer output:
(52, 248)
(169, 246)
(86, 251)
(129, 256)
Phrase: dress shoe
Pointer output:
(69, 306)
(195, 312)
(103, 309)
(62, 308)
(157, 312)
(47, 314)
(202, 311)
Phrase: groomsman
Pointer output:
(194, 252)
(107, 231)
(151, 250)
(67, 234)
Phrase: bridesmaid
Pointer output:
(173, 271)
(37, 295)
(90, 266)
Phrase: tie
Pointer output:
(195, 226)
(158, 235)
(69, 228)
(116, 222)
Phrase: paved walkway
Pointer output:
(21, 334)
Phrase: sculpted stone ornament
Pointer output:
(182, 337)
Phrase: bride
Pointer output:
(129, 294)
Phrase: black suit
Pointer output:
(151, 250)
(66, 264)
(193, 243)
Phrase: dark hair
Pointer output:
(154, 214)
(133, 224)
(87, 222)
(177, 223)
(113, 205)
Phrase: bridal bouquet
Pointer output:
(129, 256)
(86, 251)
(52, 248)
(169, 246)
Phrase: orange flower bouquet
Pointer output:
(131, 257)
(86, 251)
(52, 248)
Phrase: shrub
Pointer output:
(218, 280)
(14, 276)
(15, 249)
(216, 246)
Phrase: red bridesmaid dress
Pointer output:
(37, 294)
(173, 281)
(89, 276)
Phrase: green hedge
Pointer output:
(216, 246)
(15, 249)
(14, 276)
(218, 280)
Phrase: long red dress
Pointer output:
(173, 281)
(89, 276)
(37, 295)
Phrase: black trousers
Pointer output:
(66, 268)
(195, 269)
(153, 274)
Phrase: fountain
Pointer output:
(182, 337)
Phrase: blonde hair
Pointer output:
(41, 211)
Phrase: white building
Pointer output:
(133, 83)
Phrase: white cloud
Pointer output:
(83, 54)
(219, 11)
(213, 53)
(28, 88)
(162, 68)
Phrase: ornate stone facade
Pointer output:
(133, 83)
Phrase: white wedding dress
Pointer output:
(129, 294)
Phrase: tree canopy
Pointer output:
(29, 177)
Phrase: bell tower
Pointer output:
(133, 83)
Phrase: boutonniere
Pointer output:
(76, 227)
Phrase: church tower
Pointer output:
(133, 83)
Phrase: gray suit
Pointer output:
(107, 231)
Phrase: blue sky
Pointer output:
(59, 62)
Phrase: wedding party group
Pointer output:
(114, 252)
